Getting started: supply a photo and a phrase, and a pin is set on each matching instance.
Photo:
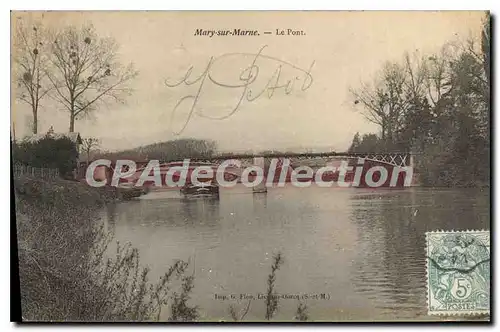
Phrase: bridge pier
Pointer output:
(261, 187)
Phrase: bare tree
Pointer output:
(86, 72)
(398, 87)
(30, 64)
(416, 69)
(383, 101)
(437, 81)
(89, 144)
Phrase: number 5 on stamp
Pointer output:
(458, 273)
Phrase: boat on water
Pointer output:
(206, 186)
(128, 191)
(200, 191)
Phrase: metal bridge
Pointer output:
(400, 159)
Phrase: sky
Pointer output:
(333, 52)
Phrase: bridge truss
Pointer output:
(402, 159)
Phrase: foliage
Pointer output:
(47, 152)
(180, 310)
(63, 273)
(367, 143)
(301, 314)
(272, 298)
(437, 107)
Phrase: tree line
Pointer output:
(72, 66)
(168, 151)
(436, 106)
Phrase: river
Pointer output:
(363, 249)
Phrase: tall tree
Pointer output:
(385, 101)
(356, 141)
(437, 106)
(86, 72)
(30, 64)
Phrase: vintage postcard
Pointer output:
(296, 166)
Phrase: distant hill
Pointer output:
(167, 151)
(189, 148)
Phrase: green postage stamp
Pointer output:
(458, 272)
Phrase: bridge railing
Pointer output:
(393, 158)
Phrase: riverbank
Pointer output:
(60, 190)
(55, 230)
(64, 275)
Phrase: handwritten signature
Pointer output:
(246, 78)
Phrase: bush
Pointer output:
(48, 152)
(64, 275)
(272, 298)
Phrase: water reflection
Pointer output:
(364, 248)
(109, 221)
(393, 225)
